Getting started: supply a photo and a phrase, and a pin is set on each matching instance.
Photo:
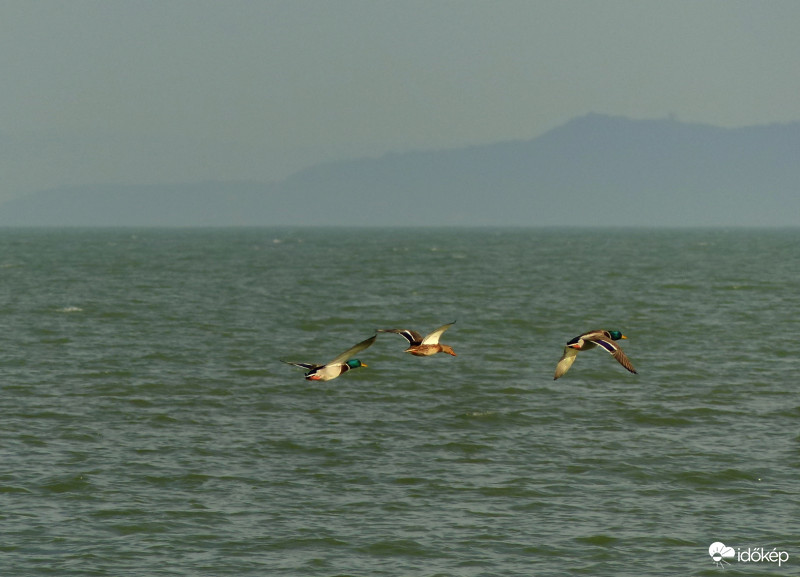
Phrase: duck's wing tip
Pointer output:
(413, 337)
(354, 349)
(623, 359)
(565, 362)
(307, 366)
(433, 338)
(616, 351)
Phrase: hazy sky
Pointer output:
(140, 91)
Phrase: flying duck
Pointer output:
(590, 340)
(424, 346)
(337, 366)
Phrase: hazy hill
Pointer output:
(595, 170)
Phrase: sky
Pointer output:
(143, 92)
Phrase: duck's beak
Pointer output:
(364, 365)
(623, 337)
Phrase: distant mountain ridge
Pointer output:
(595, 170)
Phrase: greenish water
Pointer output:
(147, 426)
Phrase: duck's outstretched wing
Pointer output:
(616, 352)
(433, 338)
(349, 353)
(413, 337)
(307, 366)
(565, 362)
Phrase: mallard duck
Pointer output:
(424, 346)
(588, 341)
(337, 366)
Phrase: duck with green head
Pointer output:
(337, 366)
(590, 340)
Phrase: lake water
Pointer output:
(148, 427)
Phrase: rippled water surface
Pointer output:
(147, 426)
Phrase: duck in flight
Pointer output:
(590, 340)
(337, 366)
(424, 346)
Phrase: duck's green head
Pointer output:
(355, 363)
(616, 335)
